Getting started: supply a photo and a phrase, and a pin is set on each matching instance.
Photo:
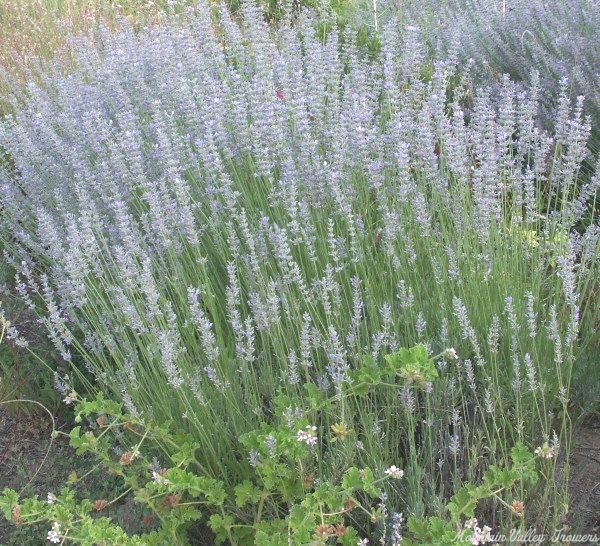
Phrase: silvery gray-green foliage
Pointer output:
(207, 215)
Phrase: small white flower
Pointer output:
(471, 523)
(159, 479)
(451, 352)
(70, 398)
(51, 498)
(54, 533)
(486, 534)
(308, 435)
(545, 451)
(394, 472)
(481, 536)
(362, 542)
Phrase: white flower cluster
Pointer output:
(159, 479)
(308, 435)
(54, 533)
(479, 535)
(394, 472)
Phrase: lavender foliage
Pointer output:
(204, 204)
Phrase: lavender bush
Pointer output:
(220, 224)
(559, 40)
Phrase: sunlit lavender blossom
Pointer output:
(566, 272)
(323, 383)
(468, 365)
(454, 444)
(170, 348)
(245, 346)
(254, 458)
(376, 430)
(420, 325)
(460, 312)
(213, 377)
(453, 270)
(12, 334)
(306, 341)
(271, 443)
(61, 385)
(386, 315)
(511, 314)
(205, 326)
(338, 366)
(292, 414)
(532, 383)
(488, 401)
(467, 331)
(516, 365)
(405, 295)
(407, 399)
(292, 369)
(531, 315)
(494, 335)
(56, 323)
(383, 512)
(555, 443)
(357, 311)
(377, 343)
(444, 336)
(128, 402)
(395, 536)
(456, 417)
(554, 335)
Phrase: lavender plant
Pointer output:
(220, 224)
(557, 39)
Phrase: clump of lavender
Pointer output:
(516, 37)
(213, 215)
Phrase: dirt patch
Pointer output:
(34, 464)
(584, 482)
(23, 446)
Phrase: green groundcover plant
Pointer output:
(226, 226)
(285, 501)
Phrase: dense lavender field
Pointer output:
(341, 281)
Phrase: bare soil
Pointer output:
(584, 480)
(32, 463)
